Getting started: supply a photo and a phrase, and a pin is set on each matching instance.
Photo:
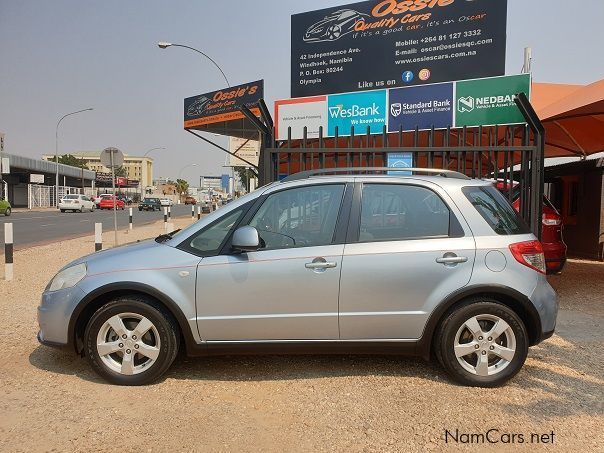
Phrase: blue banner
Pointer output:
(422, 107)
(400, 160)
(360, 110)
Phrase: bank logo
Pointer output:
(396, 109)
(338, 111)
(465, 104)
(408, 76)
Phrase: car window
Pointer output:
(72, 197)
(209, 240)
(301, 217)
(496, 210)
(395, 212)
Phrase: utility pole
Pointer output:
(528, 60)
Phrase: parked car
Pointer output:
(552, 240)
(166, 202)
(97, 200)
(75, 203)
(5, 207)
(150, 204)
(190, 200)
(422, 265)
(107, 203)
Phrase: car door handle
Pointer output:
(452, 259)
(320, 265)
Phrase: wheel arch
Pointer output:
(97, 298)
(509, 297)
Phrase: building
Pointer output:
(31, 182)
(577, 191)
(137, 168)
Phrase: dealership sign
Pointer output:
(222, 105)
(478, 102)
(393, 43)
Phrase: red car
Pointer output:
(554, 247)
(107, 203)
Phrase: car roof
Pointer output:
(439, 180)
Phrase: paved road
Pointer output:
(32, 228)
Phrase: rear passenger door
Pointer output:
(408, 247)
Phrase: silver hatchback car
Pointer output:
(426, 263)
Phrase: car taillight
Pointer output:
(530, 254)
(551, 219)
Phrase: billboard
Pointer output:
(392, 43)
(222, 105)
(246, 149)
(477, 102)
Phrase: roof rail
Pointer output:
(323, 171)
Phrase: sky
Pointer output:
(58, 56)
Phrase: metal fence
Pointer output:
(39, 196)
(512, 155)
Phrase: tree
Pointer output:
(121, 171)
(182, 186)
(244, 174)
(71, 160)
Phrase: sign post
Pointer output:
(113, 158)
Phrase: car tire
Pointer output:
(160, 341)
(62, 210)
(490, 360)
(7, 212)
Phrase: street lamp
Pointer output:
(165, 45)
(57, 152)
(152, 149)
(185, 167)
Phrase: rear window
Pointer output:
(72, 197)
(495, 209)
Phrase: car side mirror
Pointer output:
(246, 239)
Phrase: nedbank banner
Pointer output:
(476, 102)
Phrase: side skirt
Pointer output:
(367, 347)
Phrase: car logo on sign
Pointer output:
(465, 104)
(396, 109)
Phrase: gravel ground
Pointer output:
(52, 401)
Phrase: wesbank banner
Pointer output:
(477, 102)
(361, 110)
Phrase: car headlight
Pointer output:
(68, 277)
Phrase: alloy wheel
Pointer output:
(128, 343)
(485, 345)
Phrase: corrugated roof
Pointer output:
(44, 166)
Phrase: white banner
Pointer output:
(298, 113)
(248, 151)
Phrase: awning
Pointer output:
(575, 124)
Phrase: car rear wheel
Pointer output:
(131, 341)
(482, 343)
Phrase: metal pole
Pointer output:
(98, 237)
(114, 200)
(130, 219)
(8, 251)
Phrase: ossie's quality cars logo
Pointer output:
(388, 11)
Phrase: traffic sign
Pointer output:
(112, 158)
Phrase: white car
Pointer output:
(166, 202)
(75, 203)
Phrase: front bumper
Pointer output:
(54, 315)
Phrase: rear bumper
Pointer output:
(545, 300)
(555, 256)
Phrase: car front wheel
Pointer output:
(482, 343)
(7, 212)
(131, 341)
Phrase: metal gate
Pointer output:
(512, 155)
